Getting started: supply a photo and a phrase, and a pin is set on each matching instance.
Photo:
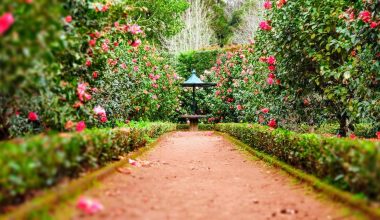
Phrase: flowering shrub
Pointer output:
(58, 57)
(326, 58)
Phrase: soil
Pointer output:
(200, 175)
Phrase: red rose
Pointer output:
(373, 25)
(88, 63)
(365, 16)
(69, 19)
(6, 21)
(103, 119)
(95, 74)
(272, 123)
(378, 134)
(271, 60)
(272, 68)
(81, 126)
(265, 110)
(92, 43)
(264, 25)
(32, 116)
(352, 136)
(136, 43)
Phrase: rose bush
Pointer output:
(328, 59)
(57, 58)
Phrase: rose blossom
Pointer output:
(265, 110)
(267, 4)
(272, 123)
(271, 60)
(32, 116)
(365, 16)
(135, 29)
(69, 19)
(136, 43)
(80, 126)
(6, 21)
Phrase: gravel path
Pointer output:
(200, 175)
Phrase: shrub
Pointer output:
(366, 130)
(183, 127)
(54, 50)
(329, 57)
(351, 165)
(206, 127)
(42, 161)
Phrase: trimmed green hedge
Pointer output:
(42, 161)
(351, 165)
(183, 127)
(206, 127)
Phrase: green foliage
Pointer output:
(42, 161)
(351, 165)
(44, 59)
(327, 54)
(196, 60)
(206, 127)
(160, 18)
(328, 128)
(366, 130)
(27, 55)
(183, 127)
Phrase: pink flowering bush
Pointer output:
(57, 58)
(327, 60)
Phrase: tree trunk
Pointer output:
(343, 129)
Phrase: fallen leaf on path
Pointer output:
(123, 170)
(89, 206)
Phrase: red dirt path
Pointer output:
(196, 175)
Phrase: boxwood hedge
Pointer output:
(37, 162)
(351, 165)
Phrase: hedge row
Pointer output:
(42, 161)
(351, 165)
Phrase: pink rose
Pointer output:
(271, 60)
(265, 110)
(270, 81)
(365, 16)
(89, 206)
(80, 126)
(267, 4)
(136, 43)
(135, 29)
(6, 21)
(69, 19)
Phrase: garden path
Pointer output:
(200, 175)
